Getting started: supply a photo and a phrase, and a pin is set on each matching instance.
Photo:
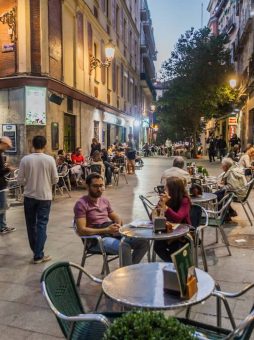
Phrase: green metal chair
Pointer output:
(217, 217)
(204, 331)
(58, 287)
(242, 332)
(244, 201)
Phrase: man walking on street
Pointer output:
(38, 173)
(222, 147)
(5, 144)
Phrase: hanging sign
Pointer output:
(232, 121)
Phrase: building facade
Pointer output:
(235, 18)
(147, 74)
(47, 83)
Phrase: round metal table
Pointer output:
(149, 234)
(141, 285)
(204, 198)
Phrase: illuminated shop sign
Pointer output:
(112, 119)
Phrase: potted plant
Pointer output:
(200, 169)
(141, 325)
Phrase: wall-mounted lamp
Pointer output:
(109, 53)
(9, 18)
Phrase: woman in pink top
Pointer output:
(176, 205)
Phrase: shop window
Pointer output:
(96, 129)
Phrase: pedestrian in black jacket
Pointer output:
(212, 148)
(5, 144)
(222, 147)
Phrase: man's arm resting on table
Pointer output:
(84, 230)
(115, 218)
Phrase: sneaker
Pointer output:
(45, 258)
(7, 230)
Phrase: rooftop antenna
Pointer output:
(202, 15)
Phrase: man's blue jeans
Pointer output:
(3, 208)
(139, 247)
(37, 216)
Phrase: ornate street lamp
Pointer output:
(109, 53)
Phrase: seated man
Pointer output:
(78, 160)
(94, 216)
(232, 180)
(176, 171)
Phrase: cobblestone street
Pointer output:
(24, 313)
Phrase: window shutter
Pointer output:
(80, 40)
(113, 13)
(90, 39)
(121, 23)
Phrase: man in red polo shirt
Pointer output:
(77, 157)
(78, 160)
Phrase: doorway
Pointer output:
(69, 133)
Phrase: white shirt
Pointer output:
(38, 173)
(244, 161)
(175, 172)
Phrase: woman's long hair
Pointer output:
(176, 190)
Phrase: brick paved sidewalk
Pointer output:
(23, 311)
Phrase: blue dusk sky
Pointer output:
(170, 19)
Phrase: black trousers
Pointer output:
(164, 249)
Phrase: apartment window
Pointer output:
(117, 80)
(117, 19)
(95, 12)
(107, 8)
(69, 104)
(108, 78)
(95, 49)
(124, 31)
(125, 86)
(96, 127)
(135, 55)
(103, 5)
(130, 40)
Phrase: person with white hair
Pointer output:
(5, 144)
(232, 180)
(176, 171)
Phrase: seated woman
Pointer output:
(247, 159)
(175, 204)
(62, 169)
(109, 167)
(97, 164)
